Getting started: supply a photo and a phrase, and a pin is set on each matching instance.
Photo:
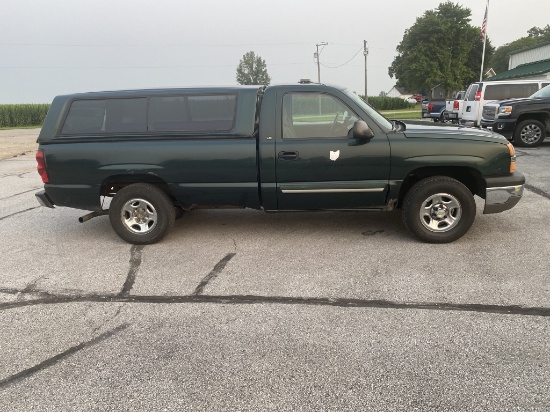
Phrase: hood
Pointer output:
(508, 102)
(452, 132)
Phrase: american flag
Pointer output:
(484, 25)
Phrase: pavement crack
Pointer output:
(20, 193)
(30, 288)
(537, 191)
(21, 211)
(15, 291)
(135, 263)
(60, 356)
(286, 300)
(213, 273)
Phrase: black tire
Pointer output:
(529, 133)
(141, 214)
(438, 209)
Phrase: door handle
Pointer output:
(288, 155)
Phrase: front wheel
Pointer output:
(529, 133)
(141, 214)
(438, 209)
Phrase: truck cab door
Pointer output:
(319, 165)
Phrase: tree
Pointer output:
(536, 36)
(252, 70)
(441, 48)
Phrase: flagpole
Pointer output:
(484, 34)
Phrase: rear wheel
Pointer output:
(438, 209)
(529, 133)
(141, 214)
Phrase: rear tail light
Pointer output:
(430, 107)
(456, 105)
(478, 96)
(41, 166)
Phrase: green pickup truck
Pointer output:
(158, 153)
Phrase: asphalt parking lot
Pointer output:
(243, 310)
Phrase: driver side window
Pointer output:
(311, 115)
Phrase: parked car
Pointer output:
(280, 148)
(411, 100)
(453, 107)
(435, 110)
(481, 93)
(419, 97)
(525, 121)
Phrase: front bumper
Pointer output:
(503, 193)
(505, 127)
(486, 123)
(44, 199)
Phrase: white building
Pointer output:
(398, 92)
(528, 64)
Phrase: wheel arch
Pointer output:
(469, 177)
(112, 184)
(542, 117)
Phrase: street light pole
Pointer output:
(366, 53)
(318, 64)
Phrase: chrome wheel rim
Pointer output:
(440, 212)
(530, 134)
(139, 216)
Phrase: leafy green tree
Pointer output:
(252, 70)
(535, 37)
(539, 33)
(441, 48)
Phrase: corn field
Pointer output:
(20, 115)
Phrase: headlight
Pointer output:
(504, 110)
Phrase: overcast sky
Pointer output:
(52, 47)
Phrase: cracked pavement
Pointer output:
(243, 310)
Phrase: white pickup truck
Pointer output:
(453, 107)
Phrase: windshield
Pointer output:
(542, 93)
(373, 114)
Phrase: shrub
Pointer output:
(388, 103)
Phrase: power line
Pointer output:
(343, 64)
(149, 45)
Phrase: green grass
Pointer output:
(414, 113)
(22, 115)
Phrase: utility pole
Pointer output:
(318, 64)
(366, 53)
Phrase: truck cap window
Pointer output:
(106, 116)
(471, 92)
(508, 91)
(194, 113)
